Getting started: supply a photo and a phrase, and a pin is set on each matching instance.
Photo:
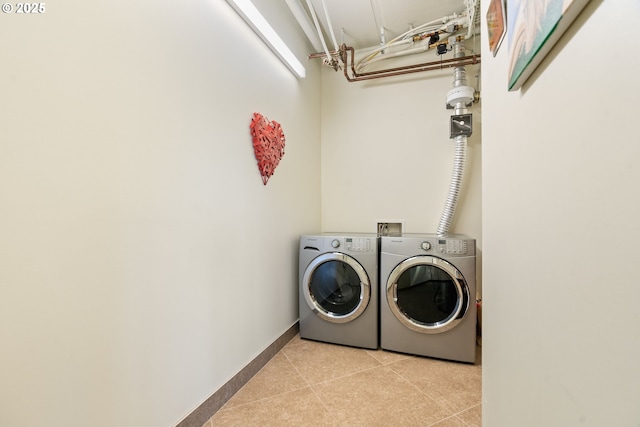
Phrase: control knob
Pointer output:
(335, 243)
(425, 246)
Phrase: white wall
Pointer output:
(142, 261)
(386, 154)
(561, 230)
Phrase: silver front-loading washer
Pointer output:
(338, 293)
(427, 289)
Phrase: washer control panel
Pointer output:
(359, 244)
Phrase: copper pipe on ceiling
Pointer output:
(322, 54)
(417, 68)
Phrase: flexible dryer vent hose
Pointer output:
(454, 187)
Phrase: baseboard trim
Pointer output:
(209, 407)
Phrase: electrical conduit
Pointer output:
(320, 35)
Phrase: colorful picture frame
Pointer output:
(496, 24)
(534, 27)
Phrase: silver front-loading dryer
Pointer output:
(338, 300)
(427, 289)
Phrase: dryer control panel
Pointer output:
(452, 247)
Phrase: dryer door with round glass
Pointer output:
(336, 287)
(427, 294)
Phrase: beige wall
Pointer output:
(560, 230)
(386, 153)
(142, 261)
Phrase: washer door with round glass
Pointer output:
(336, 287)
(427, 294)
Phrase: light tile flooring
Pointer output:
(316, 384)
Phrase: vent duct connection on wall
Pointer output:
(458, 98)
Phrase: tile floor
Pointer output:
(316, 384)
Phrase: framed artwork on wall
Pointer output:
(496, 24)
(534, 26)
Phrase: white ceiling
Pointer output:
(361, 24)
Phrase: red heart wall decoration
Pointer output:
(268, 144)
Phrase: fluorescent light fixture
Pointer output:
(256, 21)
